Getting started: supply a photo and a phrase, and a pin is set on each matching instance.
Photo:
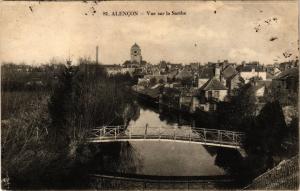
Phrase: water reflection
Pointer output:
(170, 158)
(118, 157)
(166, 158)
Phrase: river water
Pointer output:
(170, 158)
(162, 158)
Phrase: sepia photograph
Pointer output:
(149, 95)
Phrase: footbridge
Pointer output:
(183, 134)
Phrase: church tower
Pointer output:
(136, 54)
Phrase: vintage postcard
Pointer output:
(149, 95)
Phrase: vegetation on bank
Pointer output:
(43, 132)
(270, 138)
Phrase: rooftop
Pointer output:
(228, 72)
(206, 73)
(248, 68)
(292, 72)
(213, 84)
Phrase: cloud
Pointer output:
(53, 30)
(243, 54)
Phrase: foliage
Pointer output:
(170, 97)
(265, 132)
(242, 107)
(86, 98)
(23, 137)
(42, 134)
(266, 135)
(59, 109)
(29, 78)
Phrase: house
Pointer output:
(184, 74)
(143, 82)
(173, 85)
(113, 69)
(287, 81)
(158, 78)
(127, 70)
(228, 72)
(151, 93)
(233, 83)
(288, 65)
(249, 71)
(231, 78)
(212, 92)
(272, 71)
(214, 89)
(163, 66)
(205, 74)
(174, 66)
(171, 75)
(276, 71)
(262, 89)
(185, 99)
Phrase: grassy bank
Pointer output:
(43, 130)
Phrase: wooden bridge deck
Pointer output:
(213, 137)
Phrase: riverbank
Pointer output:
(129, 181)
(43, 132)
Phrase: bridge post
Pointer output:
(233, 137)
(174, 133)
(129, 134)
(204, 133)
(159, 132)
(238, 138)
(115, 133)
(145, 135)
(219, 136)
(104, 131)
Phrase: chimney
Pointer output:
(97, 49)
(69, 61)
(217, 72)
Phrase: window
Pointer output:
(202, 108)
(211, 107)
(209, 94)
(216, 94)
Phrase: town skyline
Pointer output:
(257, 32)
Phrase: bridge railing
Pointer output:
(185, 133)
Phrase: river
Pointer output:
(162, 158)
(171, 158)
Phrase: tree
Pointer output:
(241, 108)
(59, 107)
(244, 102)
(265, 135)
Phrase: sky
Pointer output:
(35, 33)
